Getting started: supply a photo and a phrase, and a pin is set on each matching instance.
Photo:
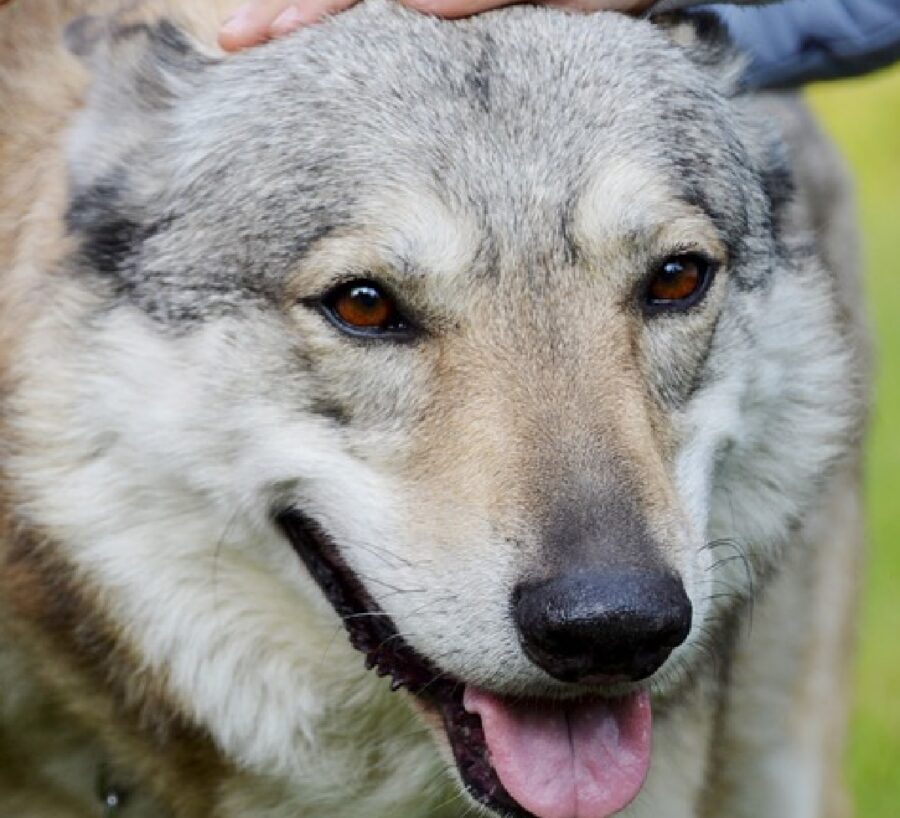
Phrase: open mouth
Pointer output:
(522, 759)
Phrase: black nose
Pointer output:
(616, 625)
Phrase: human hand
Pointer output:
(259, 20)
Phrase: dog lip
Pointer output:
(373, 633)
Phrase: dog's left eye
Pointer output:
(679, 282)
(364, 308)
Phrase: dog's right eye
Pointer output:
(364, 308)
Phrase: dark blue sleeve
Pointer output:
(801, 41)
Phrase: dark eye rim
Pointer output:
(708, 269)
(402, 328)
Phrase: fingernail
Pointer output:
(289, 20)
(234, 23)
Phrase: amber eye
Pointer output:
(679, 282)
(365, 308)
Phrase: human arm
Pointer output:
(800, 41)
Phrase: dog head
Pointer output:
(488, 336)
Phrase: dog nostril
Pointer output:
(616, 625)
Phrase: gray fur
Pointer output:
(293, 135)
(514, 180)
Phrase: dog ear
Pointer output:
(117, 160)
(706, 41)
(101, 39)
(138, 71)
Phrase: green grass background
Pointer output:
(864, 118)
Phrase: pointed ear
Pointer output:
(97, 38)
(704, 36)
(138, 72)
(706, 41)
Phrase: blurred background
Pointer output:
(864, 117)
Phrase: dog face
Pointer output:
(490, 331)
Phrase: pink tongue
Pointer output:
(574, 760)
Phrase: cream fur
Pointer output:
(144, 464)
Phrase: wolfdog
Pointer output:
(522, 350)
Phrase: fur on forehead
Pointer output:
(263, 153)
(141, 70)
